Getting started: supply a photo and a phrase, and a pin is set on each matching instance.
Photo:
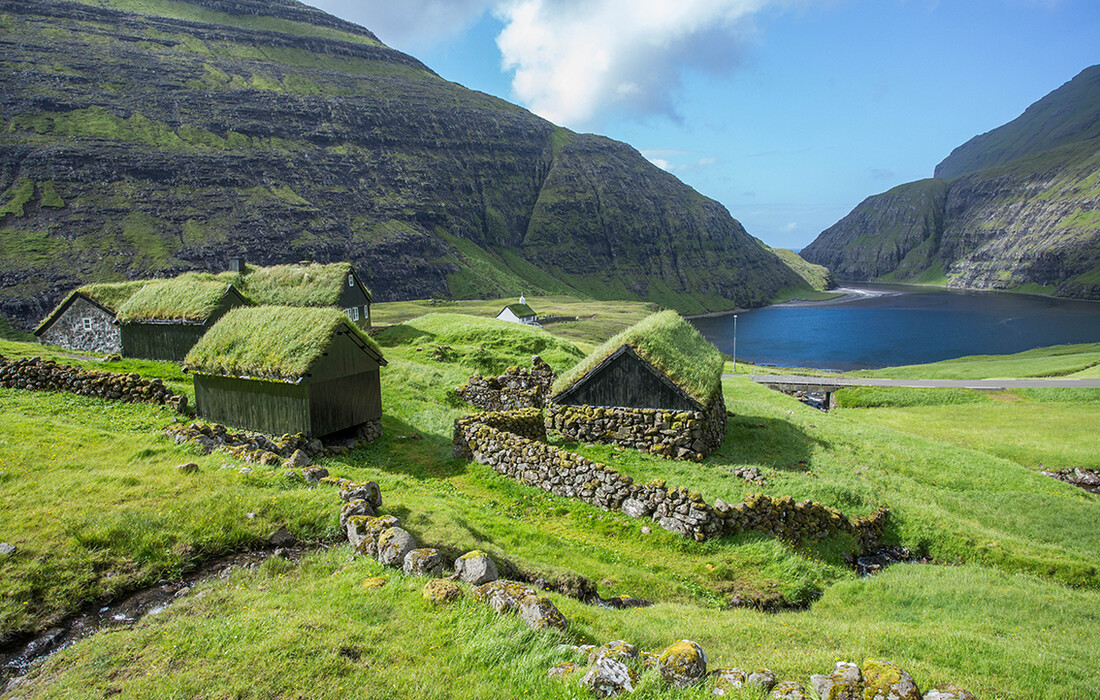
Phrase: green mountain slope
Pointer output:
(152, 137)
(1016, 208)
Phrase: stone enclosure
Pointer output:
(34, 373)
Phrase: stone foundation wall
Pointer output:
(486, 438)
(524, 423)
(102, 334)
(688, 435)
(47, 375)
(516, 388)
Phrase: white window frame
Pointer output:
(353, 313)
(351, 280)
(86, 323)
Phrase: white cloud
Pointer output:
(789, 228)
(574, 60)
(667, 159)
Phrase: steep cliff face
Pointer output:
(148, 144)
(1016, 208)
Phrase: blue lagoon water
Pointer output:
(887, 325)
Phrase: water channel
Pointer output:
(878, 325)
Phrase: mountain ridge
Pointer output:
(146, 145)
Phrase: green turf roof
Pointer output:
(192, 296)
(520, 310)
(270, 342)
(669, 343)
(111, 295)
(312, 284)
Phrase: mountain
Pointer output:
(154, 141)
(1015, 208)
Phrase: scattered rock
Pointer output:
(948, 691)
(393, 544)
(503, 596)
(282, 538)
(683, 663)
(844, 683)
(246, 470)
(540, 613)
(7, 550)
(618, 649)
(373, 582)
(476, 568)
(440, 591)
(364, 490)
(563, 670)
(352, 508)
(762, 678)
(189, 468)
(788, 690)
(883, 680)
(646, 529)
(314, 475)
(728, 679)
(609, 678)
(423, 562)
(298, 459)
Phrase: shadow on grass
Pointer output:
(403, 449)
(767, 442)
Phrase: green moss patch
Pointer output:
(296, 285)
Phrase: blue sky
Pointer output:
(788, 112)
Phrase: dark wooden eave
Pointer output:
(627, 350)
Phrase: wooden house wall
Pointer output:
(354, 296)
(344, 402)
(627, 380)
(160, 341)
(343, 358)
(274, 408)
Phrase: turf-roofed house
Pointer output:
(309, 285)
(283, 369)
(655, 387)
(164, 319)
(519, 313)
(85, 319)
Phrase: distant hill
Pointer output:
(1015, 208)
(146, 143)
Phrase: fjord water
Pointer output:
(887, 325)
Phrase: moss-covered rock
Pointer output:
(788, 690)
(503, 596)
(440, 591)
(609, 678)
(683, 663)
(540, 613)
(393, 544)
(727, 680)
(423, 562)
(844, 683)
(948, 691)
(563, 670)
(883, 680)
(618, 649)
(476, 568)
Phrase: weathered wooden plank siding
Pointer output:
(159, 341)
(274, 408)
(626, 380)
(344, 402)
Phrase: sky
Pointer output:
(788, 112)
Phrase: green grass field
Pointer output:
(95, 505)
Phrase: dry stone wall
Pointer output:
(489, 439)
(689, 435)
(517, 388)
(37, 374)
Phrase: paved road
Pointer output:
(829, 383)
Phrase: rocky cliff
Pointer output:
(1015, 208)
(148, 144)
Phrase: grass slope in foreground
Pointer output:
(98, 507)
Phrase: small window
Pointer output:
(353, 313)
(87, 323)
(351, 280)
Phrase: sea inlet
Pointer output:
(879, 325)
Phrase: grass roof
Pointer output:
(669, 343)
(192, 296)
(112, 294)
(312, 284)
(520, 310)
(271, 342)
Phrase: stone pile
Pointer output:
(616, 667)
(490, 442)
(686, 435)
(37, 374)
(382, 537)
(295, 451)
(1088, 479)
(517, 388)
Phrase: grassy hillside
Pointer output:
(992, 524)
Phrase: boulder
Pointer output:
(476, 568)
(609, 678)
(367, 530)
(356, 507)
(364, 490)
(393, 544)
(7, 550)
(683, 663)
(618, 649)
(282, 538)
(728, 679)
(297, 459)
(188, 468)
(503, 596)
(563, 670)
(440, 591)
(313, 475)
(788, 690)
(369, 584)
(540, 613)
(844, 683)
(423, 562)
(948, 691)
(761, 678)
(883, 680)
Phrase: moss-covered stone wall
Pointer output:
(34, 373)
(509, 443)
(517, 388)
(689, 435)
